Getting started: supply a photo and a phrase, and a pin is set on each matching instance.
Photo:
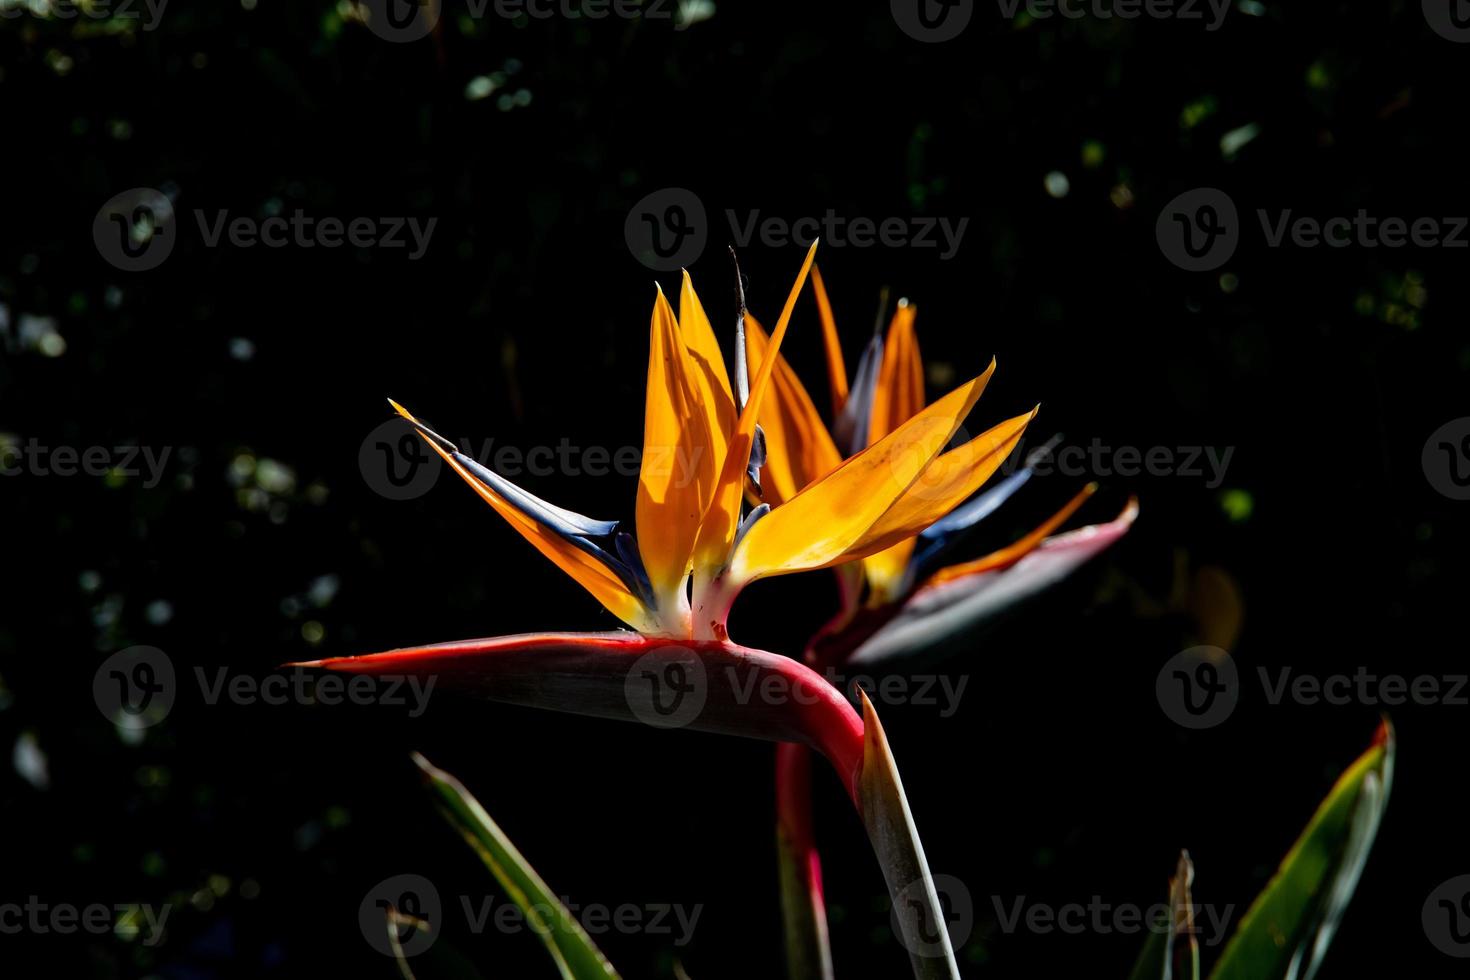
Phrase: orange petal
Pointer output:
(799, 449)
(950, 481)
(831, 343)
(717, 531)
(1013, 553)
(830, 520)
(699, 336)
(590, 573)
(712, 382)
(899, 395)
(677, 470)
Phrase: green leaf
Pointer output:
(576, 956)
(1172, 952)
(885, 813)
(1288, 928)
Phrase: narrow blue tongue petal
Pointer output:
(565, 522)
(938, 537)
(851, 427)
(757, 457)
(756, 513)
(592, 536)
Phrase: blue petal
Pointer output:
(592, 536)
(756, 513)
(851, 427)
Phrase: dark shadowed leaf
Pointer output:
(1288, 928)
(574, 952)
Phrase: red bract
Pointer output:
(705, 685)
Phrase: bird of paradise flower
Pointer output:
(702, 538)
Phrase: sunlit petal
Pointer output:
(721, 521)
(712, 383)
(677, 471)
(830, 520)
(831, 344)
(899, 393)
(949, 481)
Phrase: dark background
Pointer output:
(1059, 779)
